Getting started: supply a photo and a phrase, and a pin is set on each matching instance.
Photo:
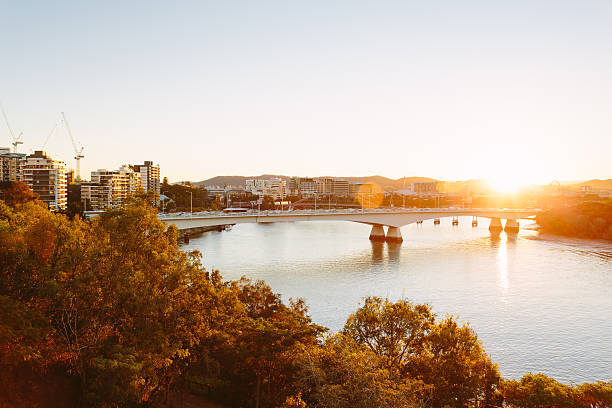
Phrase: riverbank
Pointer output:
(186, 234)
(587, 220)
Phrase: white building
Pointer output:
(276, 188)
(256, 186)
(150, 178)
(47, 178)
(110, 188)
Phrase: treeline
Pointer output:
(110, 313)
(184, 197)
(584, 220)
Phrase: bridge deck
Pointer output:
(395, 217)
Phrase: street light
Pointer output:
(191, 203)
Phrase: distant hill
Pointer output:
(391, 184)
(236, 181)
(385, 182)
(598, 184)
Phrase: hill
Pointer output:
(598, 184)
(385, 182)
(236, 181)
(391, 184)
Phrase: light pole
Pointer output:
(315, 209)
(191, 203)
(404, 193)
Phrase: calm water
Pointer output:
(539, 304)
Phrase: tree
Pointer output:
(16, 192)
(256, 349)
(455, 364)
(444, 355)
(539, 391)
(124, 305)
(344, 374)
(394, 329)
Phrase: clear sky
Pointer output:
(515, 91)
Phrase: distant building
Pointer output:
(110, 188)
(362, 187)
(10, 164)
(47, 178)
(426, 187)
(306, 186)
(605, 193)
(333, 186)
(292, 186)
(256, 186)
(70, 176)
(150, 178)
(276, 188)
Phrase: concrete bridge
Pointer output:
(393, 218)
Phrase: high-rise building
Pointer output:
(10, 164)
(110, 188)
(46, 177)
(150, 179)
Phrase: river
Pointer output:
(538, 303)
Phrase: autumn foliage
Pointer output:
(111, 313)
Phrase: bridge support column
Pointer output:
(394, 235)
(378, 233)
(495, 225)
(511, 226)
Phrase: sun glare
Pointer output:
(507, 184)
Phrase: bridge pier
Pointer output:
(394, 235)
(511, 226)
(495, 225)
(377, 233)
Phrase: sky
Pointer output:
(516, 92)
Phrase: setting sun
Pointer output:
(507, 185)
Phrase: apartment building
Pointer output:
(276, 188)
(110, 188)
(47, 178)
(10, 164)
(150, 178)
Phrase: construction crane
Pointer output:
(78, 152)
(49, 135)
(16, 140)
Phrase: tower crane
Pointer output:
(78, 152)
(16, 140)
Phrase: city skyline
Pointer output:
(513, 93)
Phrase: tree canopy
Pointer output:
(112, 313)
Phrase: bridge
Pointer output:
(392, 218)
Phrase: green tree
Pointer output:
(540, 391)
(344, 374)
(444, 355)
